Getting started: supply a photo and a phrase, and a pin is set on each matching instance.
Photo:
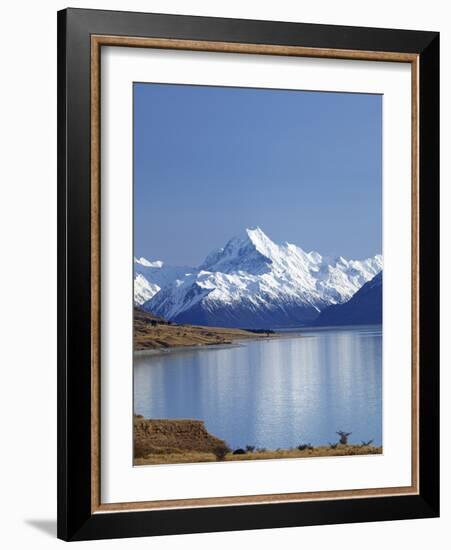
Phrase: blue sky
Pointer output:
(210, 161)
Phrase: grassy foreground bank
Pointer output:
(183, 441)
(182, 457)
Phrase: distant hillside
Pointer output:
(364, 308)
(146, 317)
(153, 332)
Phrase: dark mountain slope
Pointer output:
(364, 308)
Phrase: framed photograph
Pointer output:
(248, 274)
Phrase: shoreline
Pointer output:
(151, 333)
(181, 349)
(238, 343)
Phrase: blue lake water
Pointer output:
(278, 393)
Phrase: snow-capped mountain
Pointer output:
(150, 277)
(364, 308)
(255, 283)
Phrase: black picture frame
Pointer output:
(75, 518)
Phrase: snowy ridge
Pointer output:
(151, 277)
(143, 289)
(253, 282)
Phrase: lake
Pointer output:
(272, 393)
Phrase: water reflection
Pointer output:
(272, 393)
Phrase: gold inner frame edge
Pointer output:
(97, 41)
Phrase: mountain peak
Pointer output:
(258, 237)
(250, 251)
(255, 232)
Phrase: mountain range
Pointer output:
(151, 277)
(252, 282)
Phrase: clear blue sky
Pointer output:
(210, 161)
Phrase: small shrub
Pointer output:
(304, 446)
(220, 452)
(250, 448)
(343, 437)
(366, 443)
(261, 450)
(333, 445)
(239, 452)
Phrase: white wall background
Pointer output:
(28, 271)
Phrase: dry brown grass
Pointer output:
(340, 450)
(192, 456)
(151, 332)
(175, 458)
